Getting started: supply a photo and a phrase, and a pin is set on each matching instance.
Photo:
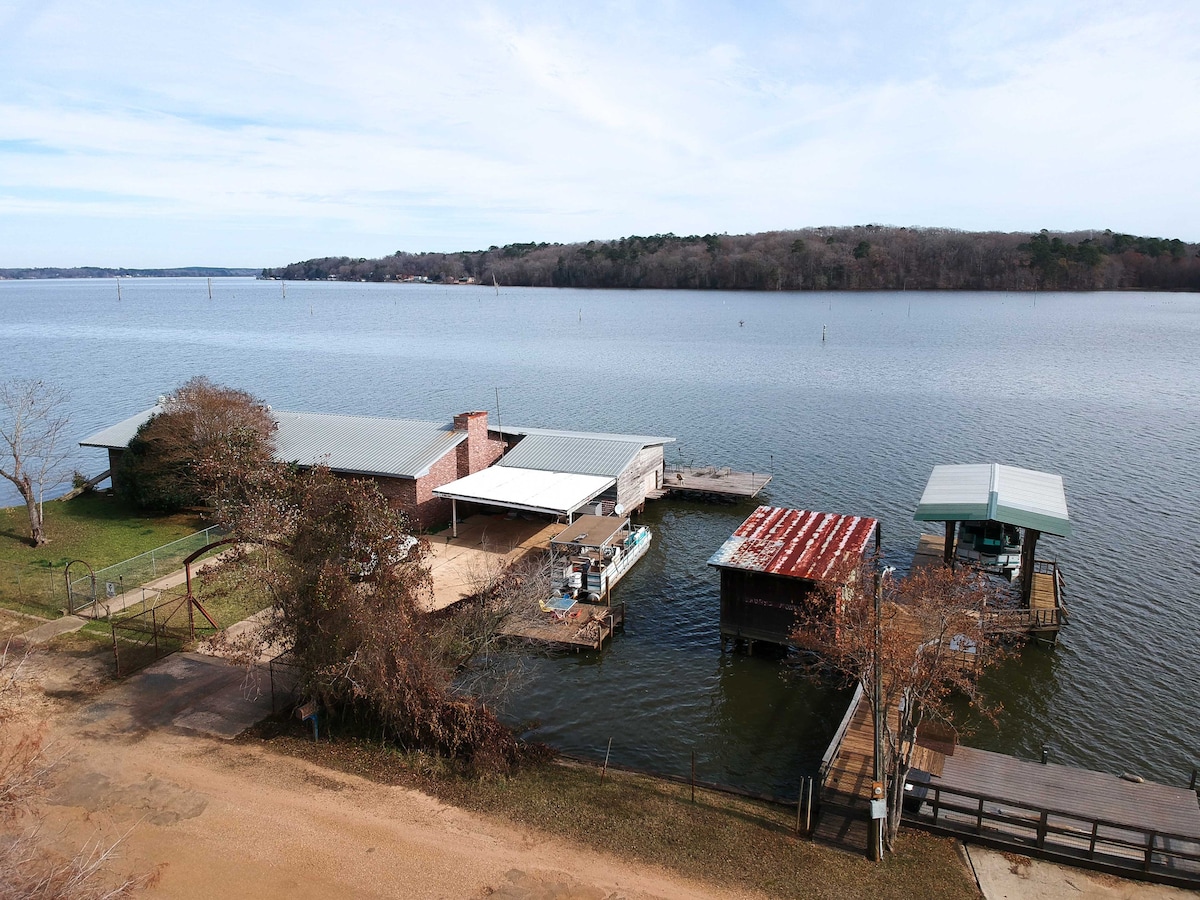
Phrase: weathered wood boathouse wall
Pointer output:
(758, 607)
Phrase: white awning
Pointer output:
(532, 490)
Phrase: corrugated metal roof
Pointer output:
(118, 436)
(795, 543)
(359, 445)
(586, 455)
(646, 440)
(556, 493)
(363, 445)
(992, 492)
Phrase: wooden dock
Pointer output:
(1047, 609)
(847, 773)
(586, 627)
(1073, 816)
(713, 482)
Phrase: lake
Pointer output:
(1100, 388)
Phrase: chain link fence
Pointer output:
(40, 587)
(139, 570)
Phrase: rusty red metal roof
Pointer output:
(795, 543)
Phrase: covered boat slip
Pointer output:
(528, 490)
(1004, 510)
(1005, 494)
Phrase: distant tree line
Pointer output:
(863, 257)
(100, 272)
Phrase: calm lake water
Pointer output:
(1101, 388)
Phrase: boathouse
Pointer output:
(563, 473)
(408, 459)
(634, 462)
(776, 560)
(993, 517)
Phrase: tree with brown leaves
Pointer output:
(912, 644)
(208, 445)
(351, 602)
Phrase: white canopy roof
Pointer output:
(533, 490)
(977, 493)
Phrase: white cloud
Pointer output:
(278, 132)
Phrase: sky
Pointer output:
(160, 133)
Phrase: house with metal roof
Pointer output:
(408, 459)
(777, 559)
(558, 473)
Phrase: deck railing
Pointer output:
(1102, 844)
(1034, 620)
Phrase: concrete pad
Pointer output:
(185, 690)
(1010, 876)
(485, 545)
(52, 629)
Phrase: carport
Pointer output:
(529, 490)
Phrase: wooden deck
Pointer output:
(1044, 615)
(1100, 821)
(587, 627)
(1091, 819)
(713, 481)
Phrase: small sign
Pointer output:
(110, 589)
(878, 809)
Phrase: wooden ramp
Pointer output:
(847, 775)
(713, 481)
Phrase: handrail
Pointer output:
(1147, 843)
(840, 734)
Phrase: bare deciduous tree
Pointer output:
(33, 420)
(929, 642)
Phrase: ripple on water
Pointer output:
(1100, 388)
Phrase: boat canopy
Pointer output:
(992, 492)
(592, 531)
(532, 490)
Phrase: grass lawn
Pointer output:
(720, 840)
(94, 527)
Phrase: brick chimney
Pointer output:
(476, 452)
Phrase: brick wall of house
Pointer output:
(415, 497)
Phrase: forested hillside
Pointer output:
(864, 257)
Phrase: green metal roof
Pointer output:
(991, 492)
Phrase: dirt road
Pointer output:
(231, 820)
